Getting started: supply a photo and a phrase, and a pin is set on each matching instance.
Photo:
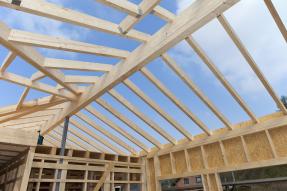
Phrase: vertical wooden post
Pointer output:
(211, 182)
(157, 173)
(144, 175)
(27, 169)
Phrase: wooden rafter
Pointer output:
(220, 76)
(157, 108)
(30, 55)
(50, 10)
(276, 18)
(185, 23)
(104, 141)
(128, 122)
(76, 65)
(171, 63)
(245, 53)
(179, 104)
(93, 124)
(108, 122)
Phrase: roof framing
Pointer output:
(68, 97)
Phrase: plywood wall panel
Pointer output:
(234, 151)
(165, 165)
(195, 157)
(214, 156)
(279, 138)
(258, 146)
(180, 162)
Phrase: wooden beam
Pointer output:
(123, 5)
(25, 121)
(102, 180)
(20, 137)
(87, 140)
(33, 57)
(142, 116)
(197, 15)
(101, 139)
(179, 104)
(20, 80)
(76, 65)
(209, 63)
(129, 123)
(172, 64)
(157, 108)
(7, 61)
(276, 18)
(146, 6)
(50, 10)
(41, 105)
(108, 122)
(75, 140)
(89, 121)
(225, 24)
(45, 41)
(81, 79)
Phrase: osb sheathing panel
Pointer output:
(165, 165)
(195, 158)
(151, 174)
(258, 146)
(180, 162)
(214, 156)
(279, 138)
(234, 151)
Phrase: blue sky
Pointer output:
(250, 19)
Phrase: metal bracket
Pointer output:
(16, 2)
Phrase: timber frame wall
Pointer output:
(261, 141)
(83, 170)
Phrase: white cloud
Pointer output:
(259, 34)
(182, 4)
(42, 25)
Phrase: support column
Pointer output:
(211, 182)
(27, 169)
(62, 152)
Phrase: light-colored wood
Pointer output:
(74, 79)
(142, 116)
(76, 65)
(87, 140)
(103, 140)
(20, 137)
(172, 64)
(104, 177)
(251, 62)
(33, 39)
(179, 104)
(30, 55)
(50, 10)
(219, 76)
(27, 169)
(108, 122)
(105, 132)
(129, 122)
(7, 61)
(17, 79)
(276, 18)
(145, 7)
(187, 22)
(124, 6)
(157, 108)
